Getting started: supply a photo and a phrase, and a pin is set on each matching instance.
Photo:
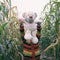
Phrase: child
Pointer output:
(30, 51)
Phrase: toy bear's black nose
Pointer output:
(30, 16)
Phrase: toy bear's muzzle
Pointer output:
(31, 20)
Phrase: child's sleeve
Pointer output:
(22, 32)
(38, 34)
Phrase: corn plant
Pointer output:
(50, 28)
(10, 42)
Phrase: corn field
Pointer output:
(10, 40)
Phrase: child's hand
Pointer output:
(21, 21)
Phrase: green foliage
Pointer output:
(45, 41)
(50, 27)
(10, 41)
(50, 52)
(0, 7)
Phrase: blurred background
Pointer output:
(29, 5)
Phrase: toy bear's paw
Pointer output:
(28, 36)
(37, 21)
(35, 40)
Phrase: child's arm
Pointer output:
(38, 34)
(22, 30)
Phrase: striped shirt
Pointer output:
(30, 51)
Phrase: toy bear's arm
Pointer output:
(38, 34)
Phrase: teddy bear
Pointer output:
(30, 26)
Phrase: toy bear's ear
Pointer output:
(35, 15)
(24, 15)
